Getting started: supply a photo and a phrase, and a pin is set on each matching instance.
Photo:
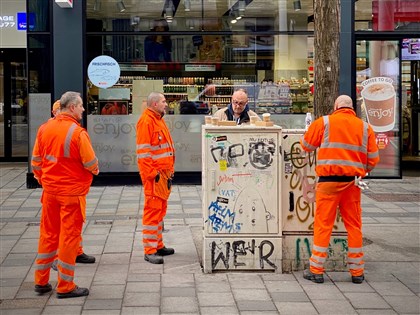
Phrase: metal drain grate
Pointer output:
(103, 222)
(394, 197)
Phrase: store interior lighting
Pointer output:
(234, 17)
(187, 5)
(121, 6)
(135, 20)
(241, 5)
(169, 12)
(297, 5)
(97, 5)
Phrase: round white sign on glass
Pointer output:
(104, 71)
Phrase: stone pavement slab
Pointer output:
(121, 282)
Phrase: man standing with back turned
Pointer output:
(347, 149)
(155, 159)
(63, 162)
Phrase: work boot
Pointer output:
(85, 259)
(41, 289)
(165, 251)
(357, 279)
(317, 278)
(75, 293)
(153, 258)
(54, 265)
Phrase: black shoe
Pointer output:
(153, 258)
(165, 251)
(41, 289)
(54, 265)
(317, 278)
(75, 293)
(85, 259)
(357, 279)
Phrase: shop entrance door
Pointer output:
(13, 105)
(379, 100)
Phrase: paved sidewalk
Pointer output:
(121, 282)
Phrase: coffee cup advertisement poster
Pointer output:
(380, 103)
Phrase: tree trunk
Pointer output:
(326, 55)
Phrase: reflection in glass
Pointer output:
(378, 99)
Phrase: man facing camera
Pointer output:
(238, 110)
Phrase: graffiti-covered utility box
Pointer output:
(241, 199)
(298, 182)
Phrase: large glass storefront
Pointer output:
(198, 52)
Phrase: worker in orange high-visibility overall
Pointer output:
(81, 257)
(347, 149)
(155, 159)
(63, 162)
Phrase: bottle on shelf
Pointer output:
(308, 120)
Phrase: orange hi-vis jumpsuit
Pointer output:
(347, 148)
(63, 162)
(155, 154)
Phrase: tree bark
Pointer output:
(326, 55)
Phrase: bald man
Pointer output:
(238, 110)
(346, 149)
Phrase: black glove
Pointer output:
(157, 177)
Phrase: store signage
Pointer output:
(104, 71)
(67, 4)
(126, 67)
(380, 103)
(382, 141)
(7, 21)
(21, 21)
(410, 49)
(200, 68)
(114, 141)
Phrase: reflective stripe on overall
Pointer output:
(347, 197)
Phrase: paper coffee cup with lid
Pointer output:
(380, 103)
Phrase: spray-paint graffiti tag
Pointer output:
(261, 154)
(222, 219)
(242, 253)
(301, 183)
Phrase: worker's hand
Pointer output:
(157, 178)
(360, 183)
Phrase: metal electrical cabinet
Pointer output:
(298, 181)
(241, 198)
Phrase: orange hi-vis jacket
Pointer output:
(347, 145)
(65, 166)
(155, 149)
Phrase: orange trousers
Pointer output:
(60, 229)
(347, 197)
(153, 213)
(80, 251)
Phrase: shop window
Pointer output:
(390, 15)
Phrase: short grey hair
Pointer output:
(68, 98)
(154, 97)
